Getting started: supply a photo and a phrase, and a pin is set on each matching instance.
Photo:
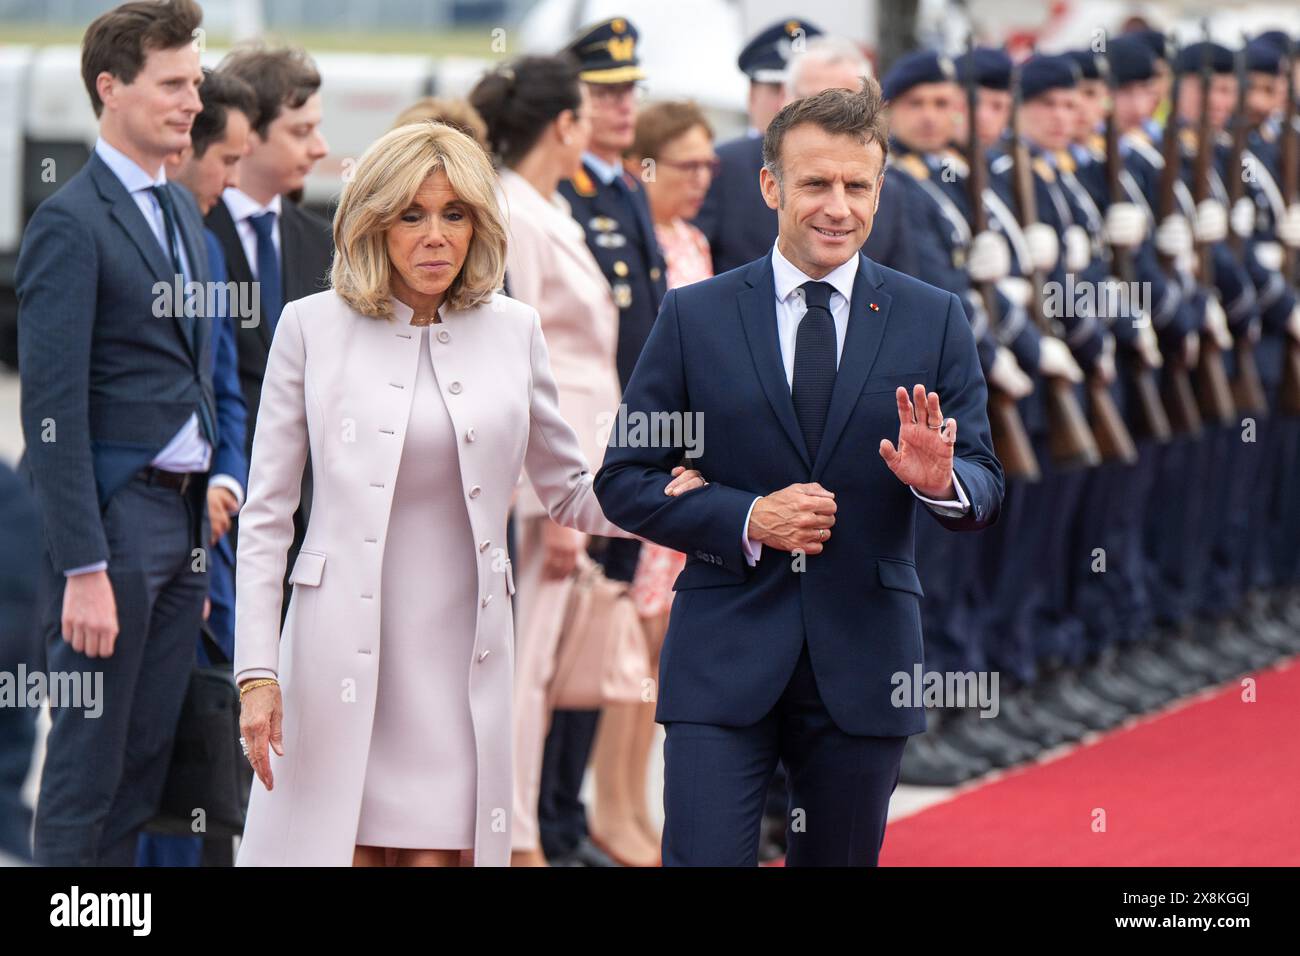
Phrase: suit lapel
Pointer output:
(131, 220)
(866, 330)
(194, 325)
(758, 317)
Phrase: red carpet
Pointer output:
(1215, 783)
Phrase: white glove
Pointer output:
(1044, 247)
(1007, 376)
(1211, 221)
(1105, 364)
(1174, 237)
(1017, 289)
(1243, 217)
(1148, 347)
(990, 257)
(1293, 323)
(1078, 249)
(1288, 227)
(1191, 349)
(1216, 323)
(1269, 255)
(1126, 225)
(1054, 359)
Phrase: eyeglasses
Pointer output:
(695, 167)
(615, 92)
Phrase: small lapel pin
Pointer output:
(874, 307)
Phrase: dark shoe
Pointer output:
(1024, 718)
(1064, 697)
(929, 762)
(1221, 638)
(1114, 687)
(1191, 656)
(585, 853)
(1144, 663)
(972, 735)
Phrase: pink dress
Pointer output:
(686, 251)
(421, 777)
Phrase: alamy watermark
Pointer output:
(625, 429)
(946, 689)
(80, 689)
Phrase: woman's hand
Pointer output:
(562, 547)
(260, 714)
(684, 480)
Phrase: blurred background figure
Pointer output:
(538, 118)
(457, 114)
(734, 219)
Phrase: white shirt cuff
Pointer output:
(752, 550)
(230, 484)
(254, 673)
(87, 569)
(949, 509)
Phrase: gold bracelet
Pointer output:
(254, 684)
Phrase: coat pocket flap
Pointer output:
(701, 574)
(899, 575)
(308, 568)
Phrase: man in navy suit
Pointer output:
(120, 424)
(797, 364)
(218, 142)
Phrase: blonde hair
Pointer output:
(384, 185)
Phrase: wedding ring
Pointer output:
(822, 533)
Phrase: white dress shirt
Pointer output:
(242, 208)
(790, 309)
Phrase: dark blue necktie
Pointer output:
(206, 412)
(814, 364)
(268, 268)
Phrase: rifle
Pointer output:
(1010, 440)
(1211, 377)
(1152, 422)
(1289, 400)
(1247, 389)
(1176, 383)
(1070, 441)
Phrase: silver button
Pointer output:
(444, 336)
(471, 435)
(474, 492)
(486, 601)
(483, 546)
(454, 388)
(483, 655)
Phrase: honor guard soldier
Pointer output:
(607, 200)
(738, 224)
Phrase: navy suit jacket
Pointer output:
(734, 217)
(228, 457)
(114, 380)
(736, 631)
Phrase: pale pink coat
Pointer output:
(340, 383)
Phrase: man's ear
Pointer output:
(105, 86)
(880, 184)
(770, 188)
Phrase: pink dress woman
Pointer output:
(686, 251)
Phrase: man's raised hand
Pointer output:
(923, 458)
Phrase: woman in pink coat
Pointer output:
(379, 720)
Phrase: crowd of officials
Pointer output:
(1138, 557)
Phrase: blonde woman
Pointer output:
(379, 721)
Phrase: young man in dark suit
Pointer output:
(270, 243)
(120, 424)
(820, 376)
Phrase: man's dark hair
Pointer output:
(520, 100)
(843, 112)
(283, 78)
(119, 41)
(220, 93)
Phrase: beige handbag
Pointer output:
(602, 657)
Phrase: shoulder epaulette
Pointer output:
(914, 166)
(582, 183)
(1044, 170)
(1065, 162)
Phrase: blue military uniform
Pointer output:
(734, 216)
